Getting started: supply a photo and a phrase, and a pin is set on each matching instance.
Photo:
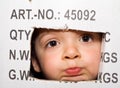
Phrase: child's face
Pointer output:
(68, 55)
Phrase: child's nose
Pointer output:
(71, 52)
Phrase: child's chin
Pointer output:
(74, 79)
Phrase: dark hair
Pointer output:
(35, 34)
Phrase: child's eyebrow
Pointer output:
(41, 35)
(45, 35)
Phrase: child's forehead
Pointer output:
(42, 31)
(46, 32)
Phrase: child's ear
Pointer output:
(35, 65)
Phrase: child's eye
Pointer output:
(86, 38)
(52, 43)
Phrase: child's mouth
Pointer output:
(73, 71)
(73, 74)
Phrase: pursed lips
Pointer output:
(73, 74)
(73, 71)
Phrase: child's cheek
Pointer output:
(51, 61)
(52, 67)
